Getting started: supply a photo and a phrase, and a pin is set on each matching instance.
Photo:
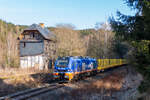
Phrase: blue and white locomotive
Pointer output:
(71, 67)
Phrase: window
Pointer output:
(62, 63)
(24, 44)
(33, 35)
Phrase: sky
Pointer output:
(82, 14)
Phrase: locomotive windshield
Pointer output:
(62, 62)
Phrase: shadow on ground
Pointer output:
(43, 77)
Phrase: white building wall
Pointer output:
(32, 61)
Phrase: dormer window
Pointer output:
(32, 35)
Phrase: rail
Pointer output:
(24, 95)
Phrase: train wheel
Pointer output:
(80, 76)
(102, 70)
(75, 78)
(94, 73)
(88, 73)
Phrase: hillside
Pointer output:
(6, 27)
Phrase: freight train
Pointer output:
(69, 68)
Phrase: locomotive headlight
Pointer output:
(66, 76)
(55, 73)
(69, 76)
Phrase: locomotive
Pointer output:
(69, 68)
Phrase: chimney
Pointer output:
(42, 25)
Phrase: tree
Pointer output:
(100, 43)
(69, 42)
(136, 31)
(9, 55)
(134, 27)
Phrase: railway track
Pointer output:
(28, 94)
(24, 95)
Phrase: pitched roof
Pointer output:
(44, 31)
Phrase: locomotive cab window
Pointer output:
(62, 62)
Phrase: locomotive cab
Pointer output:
(62, 69)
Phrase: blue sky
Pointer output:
(81, 13)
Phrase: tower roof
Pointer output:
(43, 30)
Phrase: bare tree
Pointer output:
(100, 43)
(8, 46)
(69, 42)
(11, 49)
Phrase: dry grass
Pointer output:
(13, 80)
(110, 82)
(8, 86)
(8, 72)
(114, 86)
(113, 82)
(102, 89)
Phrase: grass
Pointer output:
(13, 80)
(104, 87)
(108, 88)
(7, 72)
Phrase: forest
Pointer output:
(98, 43)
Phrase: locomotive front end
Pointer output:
(62, 69)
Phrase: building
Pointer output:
(37, 47)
